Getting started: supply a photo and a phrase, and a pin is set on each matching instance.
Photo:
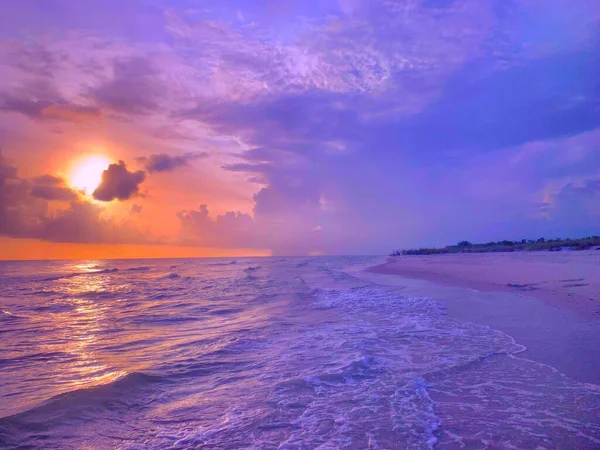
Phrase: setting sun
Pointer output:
(87, 173)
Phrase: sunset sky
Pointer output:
(157, 128)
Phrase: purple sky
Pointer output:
(329, 126)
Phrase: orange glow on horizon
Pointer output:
(86, 174)
(33, 249)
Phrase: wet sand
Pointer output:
(549, 302)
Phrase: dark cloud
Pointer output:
(23, 215)
(17, 208)
(49, 187)
(118, 183)
(39, 100)
(31, 98)
(7, 171)
(81, 223)
(163, 162)
(136, 209)
(134, 88)
(30, 108)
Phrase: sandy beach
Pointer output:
(568, 280)
(549, 302)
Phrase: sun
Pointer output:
(87, 173)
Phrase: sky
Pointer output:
(171, 128)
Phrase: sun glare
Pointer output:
(87, 173)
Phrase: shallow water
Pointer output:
(263, 353)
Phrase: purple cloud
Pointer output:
(49, 187)
(228, 230)
(40, 100)
(574, 208)
(163, 162)
(133, 88)
(118, 183)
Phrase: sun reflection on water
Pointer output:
(85, 324)
(82, 323)
(88, 266)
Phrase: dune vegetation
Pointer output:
(525, 245)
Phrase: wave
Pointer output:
(162, 296)
(361, 368)
(224, 264)
(79, 274)
(36, 357)
(45, 292)
(7, 315)
(414, 412)
(99, 272)
(74, 403)
(138, 269)
(55, 308)
(171, 276)
(226, 311)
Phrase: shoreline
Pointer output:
(569, 280)
(518, 296)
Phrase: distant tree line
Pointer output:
(524, 245)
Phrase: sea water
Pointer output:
(263, 353)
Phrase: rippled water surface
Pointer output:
(290, 353)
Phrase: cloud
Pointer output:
(133, 89)
(71, 113)
(228, 230)
(136, 209)
(358, 125)
(24, 215)
(163, 162)
(283, 235)
(49, 187)
(577, 204)
(118, 183)
(589, 188)
(373, 51)
(33, 58)
(39, 100)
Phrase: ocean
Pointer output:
(263, 353)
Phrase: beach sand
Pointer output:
(549, 302)
(562, 279)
